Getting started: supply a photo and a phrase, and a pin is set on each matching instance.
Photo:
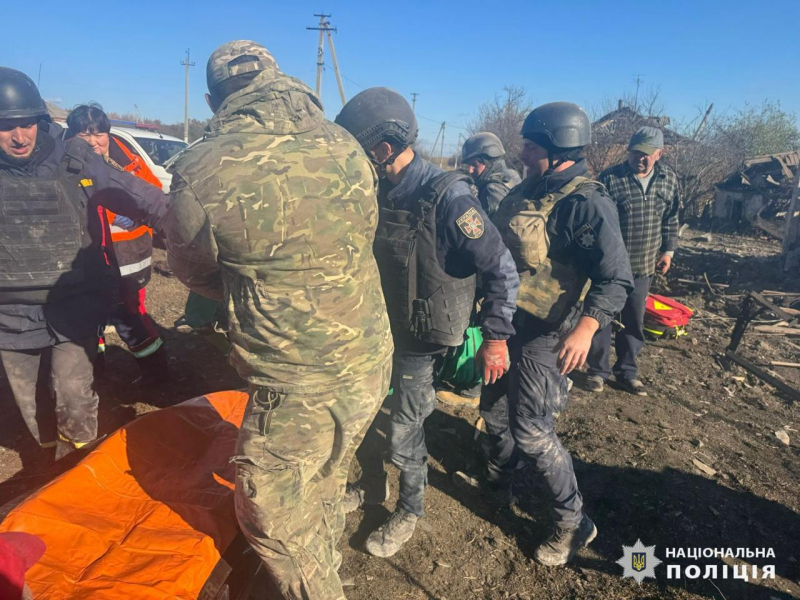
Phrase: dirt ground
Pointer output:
(633, 458)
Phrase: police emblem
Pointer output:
(639, 561)
(471, 224)
(586, 237)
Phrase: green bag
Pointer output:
(460, 368)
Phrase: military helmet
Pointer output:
(561, 125)
(236, 58)
(484, 144)
(379, 114)
(19, 98)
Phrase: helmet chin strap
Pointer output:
(381, 166)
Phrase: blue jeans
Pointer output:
(628, 342)
(412, 401)
(536, 390)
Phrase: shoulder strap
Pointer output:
(437, 187)
(76, 157)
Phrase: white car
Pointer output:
(154, 147)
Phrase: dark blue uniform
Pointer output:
(68, 326)
(416, 364)
(584, 231)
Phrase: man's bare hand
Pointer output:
(574, 348)
(664, 263)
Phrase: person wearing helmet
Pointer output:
(57, 286)
(563, 232)
(273, 214)
(482, 157)
(433, 239)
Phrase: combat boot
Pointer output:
(355, 497)
(500, 492)
(390, 537)
(563, 544)
(594, 384)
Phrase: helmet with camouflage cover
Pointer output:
(19, 97)
(379, 114)
(484, 145)
(558, 126)
(237, 58)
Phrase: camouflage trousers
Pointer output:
(293, 455)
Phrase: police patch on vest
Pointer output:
(586, 237)
(471, 224)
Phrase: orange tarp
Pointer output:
(144, 516)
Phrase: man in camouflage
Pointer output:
(274, 214)
(483, 157)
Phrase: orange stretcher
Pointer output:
(147, 515)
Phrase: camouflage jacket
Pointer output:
(494, 184)
(274, 213)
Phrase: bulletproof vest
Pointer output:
(44, 237)
(548, 288)
(421, 298)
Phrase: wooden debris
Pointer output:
(780, 363)
(782, 436)
(703, 467)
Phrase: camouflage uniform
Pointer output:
(274, 214)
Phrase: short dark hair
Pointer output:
(231, 85)
(88, 118)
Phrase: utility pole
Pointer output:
(703, 122)
(186, 63)
(458, 150)
(435, 143)
(323, 28)
(441, 152)
(39, 78)
(414, 102)
(638, 82)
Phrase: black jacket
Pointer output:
(78, 316)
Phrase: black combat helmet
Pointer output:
(379, 114)
(485, 145)
(560, 125)
(19, 98)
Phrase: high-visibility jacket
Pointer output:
(133, 249)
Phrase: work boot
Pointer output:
(390, 537)
(594, 384)
(154, 368)
(563, 544)
(632, 386)
(500, 492)
(452, 399)
(355, 497)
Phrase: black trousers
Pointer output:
(628, 342)
(71, 379)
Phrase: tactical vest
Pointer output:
(45, 246)
(421, 298)
(548, 288)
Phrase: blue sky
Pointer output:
(454, 54)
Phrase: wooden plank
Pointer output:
(760, 373)
(780, 363)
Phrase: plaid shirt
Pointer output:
(648, 220)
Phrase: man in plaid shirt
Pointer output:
(646, 194)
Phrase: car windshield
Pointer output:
(160, 151)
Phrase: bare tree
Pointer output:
(503, 116)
